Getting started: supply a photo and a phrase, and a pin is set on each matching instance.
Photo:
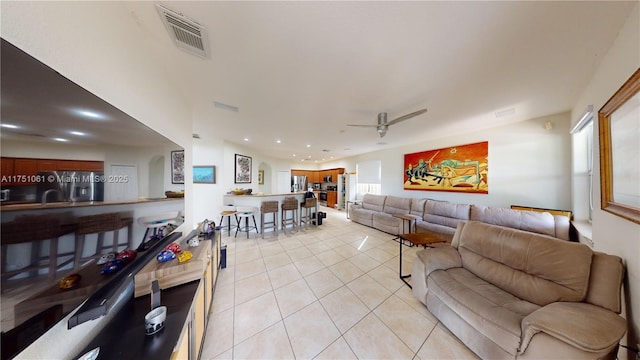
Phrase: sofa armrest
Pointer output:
(581, 325)
(439, 258)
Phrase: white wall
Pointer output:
(527, 165)
(99, 46)
(612, 234)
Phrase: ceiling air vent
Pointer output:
(187, 34)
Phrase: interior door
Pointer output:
(284, 182)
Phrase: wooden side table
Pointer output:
(422, 238)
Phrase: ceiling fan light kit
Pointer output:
(383, 126)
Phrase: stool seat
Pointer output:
(228, 211)
(269, 207)
(289, 206)
(246, 212)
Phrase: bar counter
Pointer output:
(22, 206)
(256, 201)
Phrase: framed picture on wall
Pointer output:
(242, 169)
(260, 177)
(177, 167)
(204, 174)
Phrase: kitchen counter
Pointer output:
(22, 206)
(268, 195)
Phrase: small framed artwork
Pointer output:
(204, 174)
(243, 169)
(260, 177)
(177, 167)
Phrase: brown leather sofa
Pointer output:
(513, 294)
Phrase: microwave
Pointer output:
(327, 178)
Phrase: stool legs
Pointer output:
(274, 223)
(293, 221)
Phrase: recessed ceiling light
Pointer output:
(60, 139)
(246, 139)
(294, 155)
(278, 141)
(309, 157)
(89, 114)
(308, 145)
(9, 126)
(77, 133)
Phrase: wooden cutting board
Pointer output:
(173, 272)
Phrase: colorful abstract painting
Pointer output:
(462, 168)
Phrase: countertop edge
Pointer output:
(66, 205)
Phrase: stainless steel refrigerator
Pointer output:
(299, 183)
(70, 186)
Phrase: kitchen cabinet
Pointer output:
(22, 171)
(48, 165)
(332, 198)
(297, 172)
(6, 170)
(315, 177)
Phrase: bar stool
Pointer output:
(307, 210)
(227, 212)
(100, 225)
(269, 207)
(246, 212)
(37, 232)
(289, 204)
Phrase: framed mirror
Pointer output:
(39, 107)
(619, 123)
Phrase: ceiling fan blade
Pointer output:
(362, 125)
(406, 117)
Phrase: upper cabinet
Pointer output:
(318, 176)
(22, 171)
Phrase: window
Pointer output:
(368, 178)
(583, 165)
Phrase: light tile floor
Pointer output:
(327, 292)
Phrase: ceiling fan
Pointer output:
(383, 125)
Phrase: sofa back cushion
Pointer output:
(445, 213)
(397, 205)
(533, 267)
(417, 207)
(373, 202)
(605, 281)
(538, 222)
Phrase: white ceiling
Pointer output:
(300, 71)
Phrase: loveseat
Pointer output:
(512, 294)
(442, 217)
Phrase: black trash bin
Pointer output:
(223, 256)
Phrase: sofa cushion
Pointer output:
(445, 213)
(373, 202)
(493, 311)
(397, 205)
(538, 222)
(387, 223)
(362, 216)
(417, 207)
(607, 272)
(533, 267)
